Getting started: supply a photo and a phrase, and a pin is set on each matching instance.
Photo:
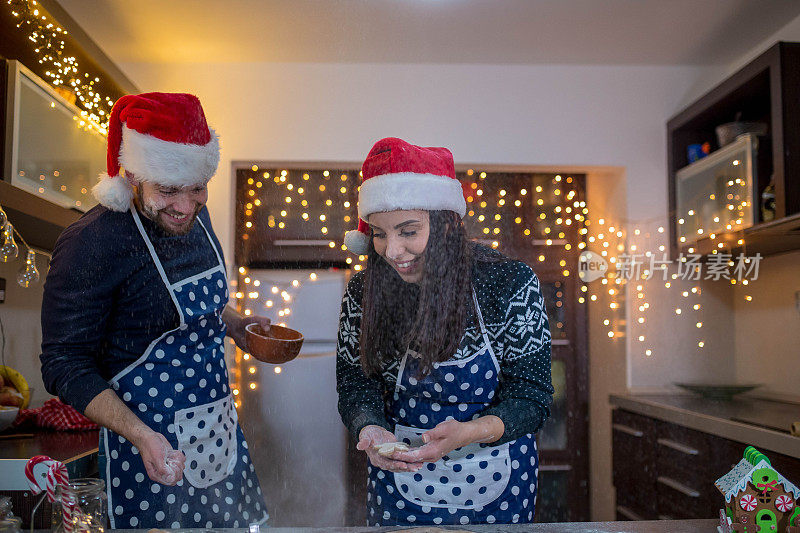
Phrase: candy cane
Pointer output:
(57, 476)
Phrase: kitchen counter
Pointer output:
(660, 526)
(76, 449)
(762, 423)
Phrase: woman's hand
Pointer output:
(372, 436)
(451, 434)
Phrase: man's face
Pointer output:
(174, 209)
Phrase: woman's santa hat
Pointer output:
(158, 137)
(398, 175)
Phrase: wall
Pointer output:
(22, 324)
(768, 327)
(605, 193)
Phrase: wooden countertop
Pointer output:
(76, 449)
(763, 423)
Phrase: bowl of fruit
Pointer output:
(14, 395)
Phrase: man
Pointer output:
(133, 321)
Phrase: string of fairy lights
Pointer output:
(541, 213)
(9, 251)
(62, 70)
(271, 298)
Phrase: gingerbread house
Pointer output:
(758, 498)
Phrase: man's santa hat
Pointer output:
(397, 175)
(158, 137)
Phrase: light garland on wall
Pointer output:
(269, 298)
(63, 71)
(9, 251)
(555, 209)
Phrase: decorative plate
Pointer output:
(717, 391)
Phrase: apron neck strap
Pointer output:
(478, 312)
(152, 250)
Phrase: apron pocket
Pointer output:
(464, 479)
(207, 435)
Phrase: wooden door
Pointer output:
(505, 211)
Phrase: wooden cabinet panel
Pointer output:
(667, 471)
(679, 499)
(789, 467)
(634, 463)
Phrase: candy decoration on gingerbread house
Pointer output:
(758, 498)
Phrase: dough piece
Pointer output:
(388, 448)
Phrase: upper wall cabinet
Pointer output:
(734, 162)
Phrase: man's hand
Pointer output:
(372, 436)
(163, 464)
(237, 323)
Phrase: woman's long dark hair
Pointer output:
(428, 317)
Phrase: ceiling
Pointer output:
(643, 32)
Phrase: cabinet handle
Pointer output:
(628, 430)
(678, 446)
(680, 487)
(300, 242)
(627, 513)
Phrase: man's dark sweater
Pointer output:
(104, 300)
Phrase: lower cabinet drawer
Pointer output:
(677, 499)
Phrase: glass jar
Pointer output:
(90, 511)
(5, 507)
(10, 524)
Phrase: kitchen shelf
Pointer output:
(765, 90)
(38, 220)
(767, 238)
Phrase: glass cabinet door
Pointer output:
(715, 194)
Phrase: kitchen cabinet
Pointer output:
(37, 219)
(288, 215)
(667, 471)
(767, 90)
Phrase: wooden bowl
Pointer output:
(278, 345)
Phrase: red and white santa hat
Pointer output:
(159, 137)
(398, 175)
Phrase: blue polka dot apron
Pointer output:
(179, 388)
(475, 484)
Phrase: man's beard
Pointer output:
(155, 214)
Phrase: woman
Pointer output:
(443, 345)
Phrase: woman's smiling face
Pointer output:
(400, 238)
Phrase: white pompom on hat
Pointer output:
(397, 175)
